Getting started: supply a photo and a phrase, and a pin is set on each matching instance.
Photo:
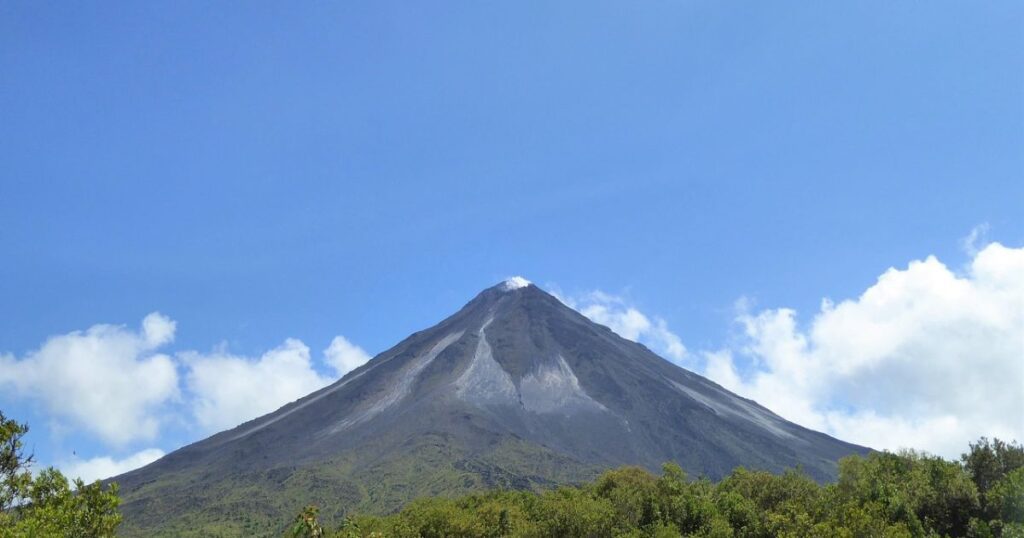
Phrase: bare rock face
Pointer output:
(515, 390)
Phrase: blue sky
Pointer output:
(265, 171)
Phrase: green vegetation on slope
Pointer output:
(46, 505)
(379, 481)
(908, 494)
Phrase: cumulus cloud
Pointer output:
(105, 467)
(618, 315)
(924, 358)
(108, 379)
(227, 390)
(344, 356)
(114, 383)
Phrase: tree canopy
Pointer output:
(899, 495)
(47, 504)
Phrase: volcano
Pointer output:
(515, 390)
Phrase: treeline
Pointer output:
(907, 494)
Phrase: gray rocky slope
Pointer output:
(514, 390)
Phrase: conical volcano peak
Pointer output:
(514, 390)
(515, 283)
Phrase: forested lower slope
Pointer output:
(908, 494)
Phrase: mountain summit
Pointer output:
(515, 390)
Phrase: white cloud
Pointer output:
(108, 379)
(628, 322)
(105, 467)
(515, 282)
(976, 237)
(344, 356)
(113, 383)
(229, 389)
(924, 358)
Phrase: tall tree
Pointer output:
(48, 505)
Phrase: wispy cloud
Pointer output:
(978, 237)
(627, 321)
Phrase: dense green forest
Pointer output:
(907, 494)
